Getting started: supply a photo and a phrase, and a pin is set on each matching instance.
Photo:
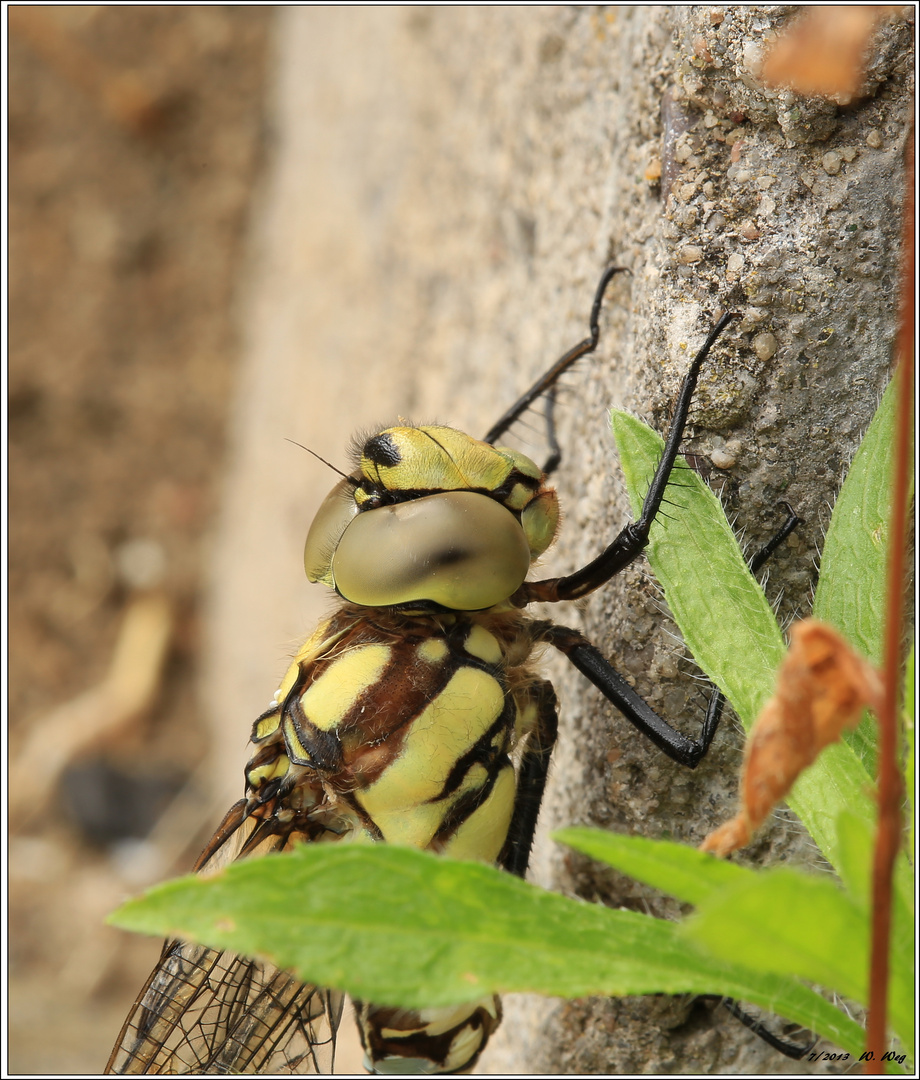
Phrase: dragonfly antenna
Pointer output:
(344, 476)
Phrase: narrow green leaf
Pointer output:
(856, 844)
(908, 712)
(835, 782)
(743, 930)
(398, 926)
(851, 587)
(719, 607)
(854, 564)
(728, 625)
(675, 869)
(786, 922)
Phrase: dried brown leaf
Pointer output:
(822, 688)
(823, 54)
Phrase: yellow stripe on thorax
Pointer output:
(399, 802)
(482, 836)
(329, 697)
(483, 645)
(319, 642)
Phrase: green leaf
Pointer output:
(791, 923)
(690, 550)
(731, 630)
(782, 921)
(675, 869)
(910, 748)
(856, 844)
(403, 927)
(835, 782)
(854, 565)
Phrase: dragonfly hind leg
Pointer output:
(531, 780)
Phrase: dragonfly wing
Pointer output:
(207, 1011)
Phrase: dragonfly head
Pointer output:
(435, 517)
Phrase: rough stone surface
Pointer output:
(447, 185)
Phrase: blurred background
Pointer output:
(136, 138)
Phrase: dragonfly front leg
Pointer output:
(632, 539)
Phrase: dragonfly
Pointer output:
(412, 715)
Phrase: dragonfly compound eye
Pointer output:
(333, 517)
(459, 549)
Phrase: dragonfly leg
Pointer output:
(632, 539)
(598, 670)
(531, 781)
(549, 379)
(795, 1051)
(555, 450)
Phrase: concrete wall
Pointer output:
(447, 185)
